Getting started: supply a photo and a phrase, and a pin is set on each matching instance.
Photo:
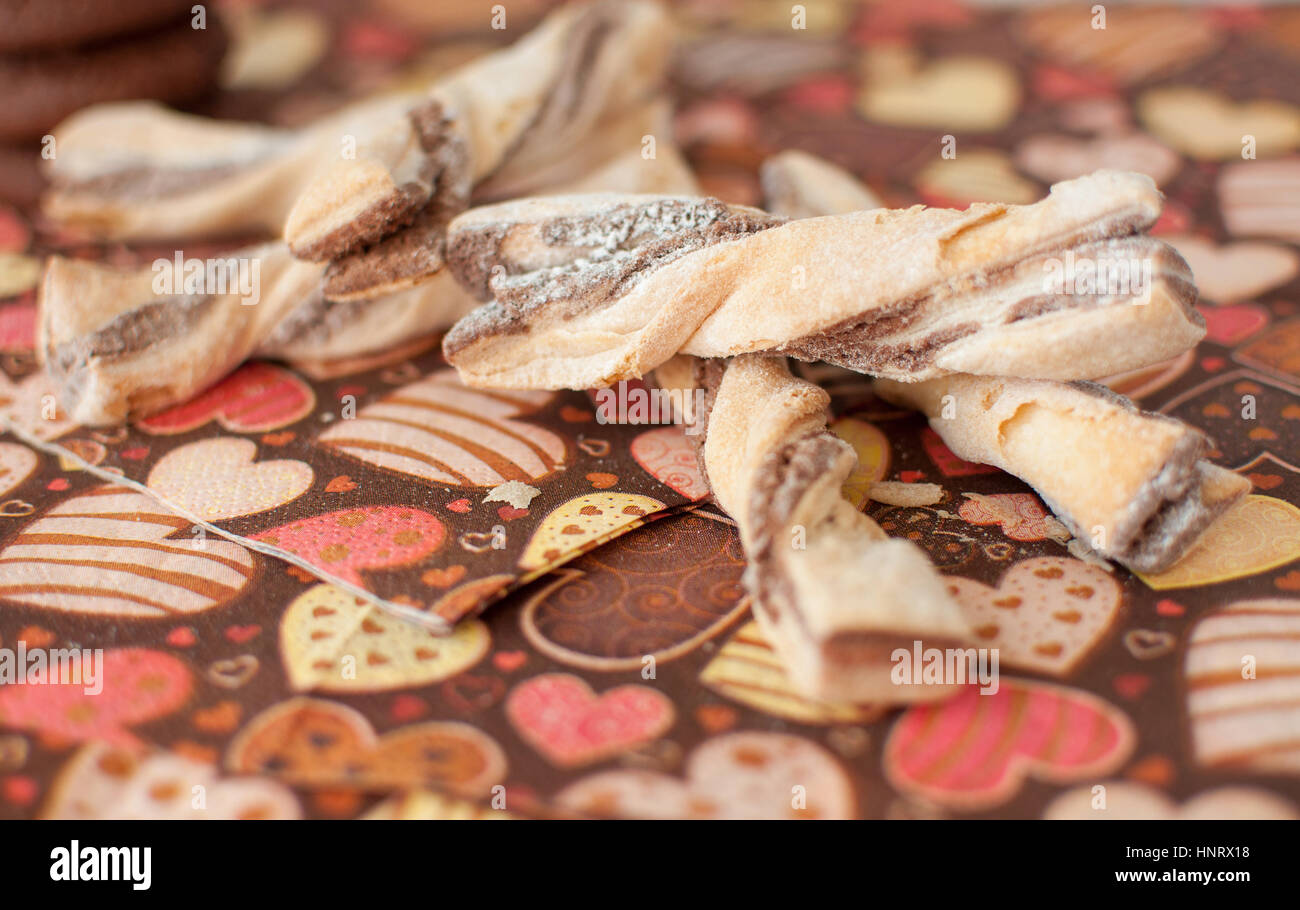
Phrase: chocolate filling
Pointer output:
(855, 352)
(134, 331)
(143, 183)
(416, 251)
(441, 184)
(614, 251)
(859, 343)
(565, 97)
(780, 484)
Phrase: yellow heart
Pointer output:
(1211, 127)
(1257, 534)
(873, 457)
(581, 523)
(18, 273)
(958, 93)
(978, 175)
(812, 17)
(334, 642)
(747, 670)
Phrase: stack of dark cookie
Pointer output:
(57, 56)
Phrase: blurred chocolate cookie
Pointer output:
(172, 64)
(43, 25)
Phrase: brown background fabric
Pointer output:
(575, 641)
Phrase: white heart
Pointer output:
(217, 478)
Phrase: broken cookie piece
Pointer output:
(509, 113)
(121, 343)
(1132, 484)
(110, 335)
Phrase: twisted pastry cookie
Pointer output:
(118, 347)
(1133, 484)
(507, 115)
(137, 170)
(621, 283)
(833, 593)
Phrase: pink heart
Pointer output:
(824, 94)
(562, 718)
(1229, 325)
(14, 233)
(1131, 685)
(407, 707)
(254, 399)
(1020, 515)
(668, 455)
(139, 685)
(948, 463)
(1060, 84)
(976, 750)
(1174, 219)
(241, 634)
(345, 542)
(18, 326)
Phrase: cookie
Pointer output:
(621, 283)
(126, 342)
(781, 479)
(1132, 484)
(799, 185)
(132, 171)
(60, 24)
(173, 64)
(119, 349)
